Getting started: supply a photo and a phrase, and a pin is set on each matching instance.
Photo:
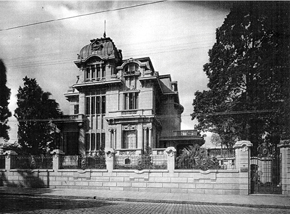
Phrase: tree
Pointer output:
(4, 97)
(35, 108)
(248, 73)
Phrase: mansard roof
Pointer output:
(103, 48)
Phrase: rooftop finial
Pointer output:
(105, 29)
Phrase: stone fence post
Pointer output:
(171, 154)
(110, 158)
(243, 153)
(56, 159)
(284, 146)
(8, 160)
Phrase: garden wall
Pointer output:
(221, 181)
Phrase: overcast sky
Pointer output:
(175, 35)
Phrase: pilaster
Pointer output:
(284, 146)
(243, 153)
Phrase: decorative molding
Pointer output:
(242, 143)
(110, 152)
(284, 143)
(170, 151)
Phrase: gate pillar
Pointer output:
(242, 153)
(284, 146)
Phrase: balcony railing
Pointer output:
(142, 112)
(185, 133)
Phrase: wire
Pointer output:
(70, 60)
(81, 15)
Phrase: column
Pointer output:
(122, 101)
(82, 146)
(145, 139)
(82, 103)
(284, 146)
(115, 139)
(119, 137)
(150, 138)
(112, 138)
(243, 165)
(140, 137)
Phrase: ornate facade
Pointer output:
(120, 104)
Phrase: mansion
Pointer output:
(122, 104)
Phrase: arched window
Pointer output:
(131, 68)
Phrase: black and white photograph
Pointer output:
(158, 106)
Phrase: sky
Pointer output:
(38, 40)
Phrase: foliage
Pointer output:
(4, 97)
(35, 108)
(248, 73)
(11, 146)
(195, 157)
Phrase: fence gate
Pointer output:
(266, 172)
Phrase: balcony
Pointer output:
(133, 112)
(185, 133)
(98, 82)
(76, 118)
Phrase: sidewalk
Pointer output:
(265, 201)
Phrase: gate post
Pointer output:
(242, 152)
(56, 159)
(8, 161)
(284, 146)
(110, 159)
(171, 154)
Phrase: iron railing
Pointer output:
(140, 162)
(205, 162)
(82, 162)
(225, 152)
(31, 162)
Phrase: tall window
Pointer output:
(93, 141)
(88, 101)
(131, 68)
(96, 104)
(129, 139)
(76, 109)
(95, 111)
(95, 72)
(131, 100)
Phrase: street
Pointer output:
(38, 204)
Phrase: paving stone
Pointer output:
(51, 205)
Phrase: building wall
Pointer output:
(100, 64)
(169, 117)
